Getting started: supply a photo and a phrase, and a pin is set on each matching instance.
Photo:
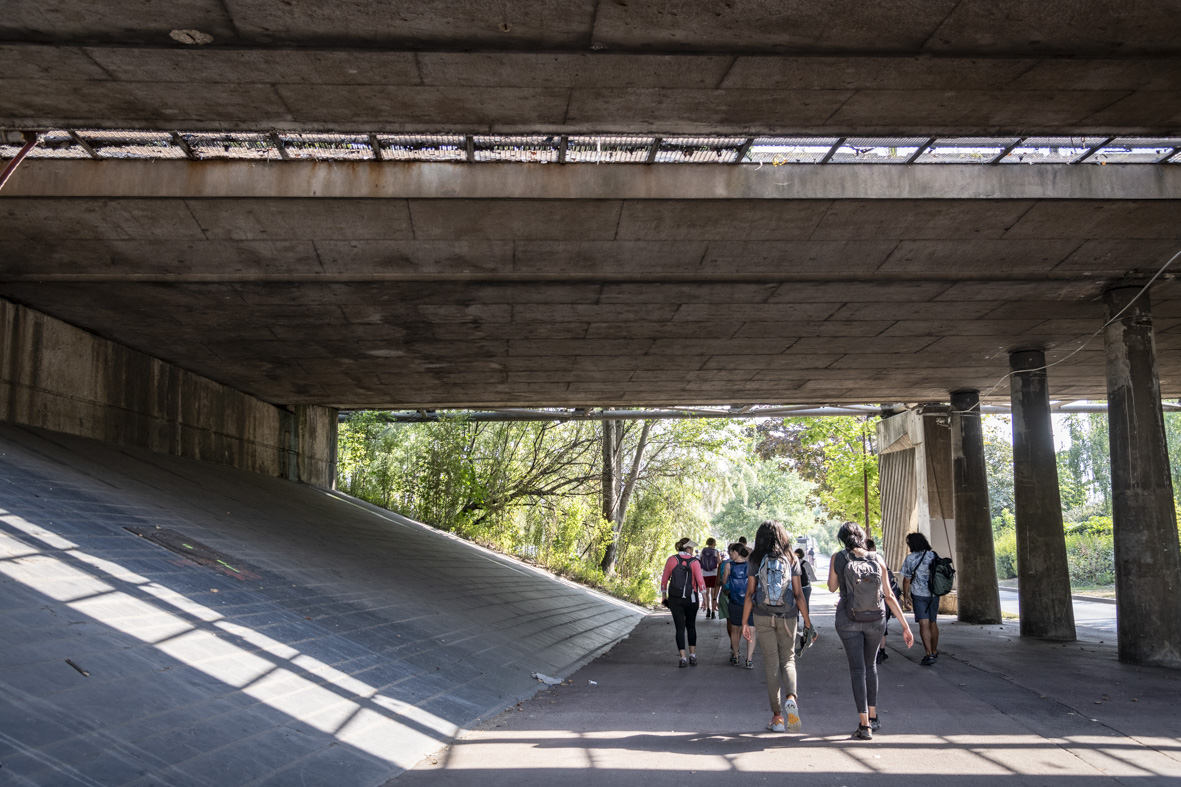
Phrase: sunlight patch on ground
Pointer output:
(395, 731)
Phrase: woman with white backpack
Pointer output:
(860, 576)
(775, 598)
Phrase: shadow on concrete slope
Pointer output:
(314, 640)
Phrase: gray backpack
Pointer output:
(861, 582)
(774, 593)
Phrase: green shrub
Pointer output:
(639, 590)
(1090, 557)
(1094, 524)
(1006, 554)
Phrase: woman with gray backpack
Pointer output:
(860, 576)
(775, 598)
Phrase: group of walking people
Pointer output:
(765, 591)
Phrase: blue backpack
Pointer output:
(736, 584)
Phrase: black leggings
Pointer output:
(861, 641)
(685, 619)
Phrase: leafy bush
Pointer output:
(1090, 553)
(639, 590)
(1091, 558)
(1006, 554)
(1095, 525)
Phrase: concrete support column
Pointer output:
(979, 597)
(1147, 557)
(1047, 610)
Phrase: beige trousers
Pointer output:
(777, 640)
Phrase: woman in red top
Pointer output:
(681, 586)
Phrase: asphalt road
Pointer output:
(1098, 615)
(996, 710)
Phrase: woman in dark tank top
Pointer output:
(862, 639)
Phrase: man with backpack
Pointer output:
(916, 586)
(710, 558)
(681, 587)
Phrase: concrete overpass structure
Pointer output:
(240, 219)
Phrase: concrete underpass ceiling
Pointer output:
(423, 302)
(621, 288)
(843, 67)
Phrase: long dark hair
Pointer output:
(773, 540)
(851, 535)
(917, 542)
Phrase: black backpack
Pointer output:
(941, 575)
(680, 581)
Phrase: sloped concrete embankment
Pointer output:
(287, 635)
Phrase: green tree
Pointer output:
(836, 454)
(1084, 465)
(535, 489)
(998, 461)
(764, 490)
(654, 451)
(1173, 437)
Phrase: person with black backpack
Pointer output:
(807, 577)
(681, 587)
(860, 576)
(775, 598)
(916, 586)
(710, 557)
(897, 591)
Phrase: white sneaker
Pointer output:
(791, 712)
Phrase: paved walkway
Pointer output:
(995, 710)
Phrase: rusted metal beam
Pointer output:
(30, 143)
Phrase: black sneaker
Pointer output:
(928, 660)
(684, 663)
(882, 656)
(692, 661)
(863, 733)
(874, 724)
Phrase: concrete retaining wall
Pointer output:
(58, 377)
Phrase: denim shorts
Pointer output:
(925, 607)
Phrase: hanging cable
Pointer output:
(1086, 341)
